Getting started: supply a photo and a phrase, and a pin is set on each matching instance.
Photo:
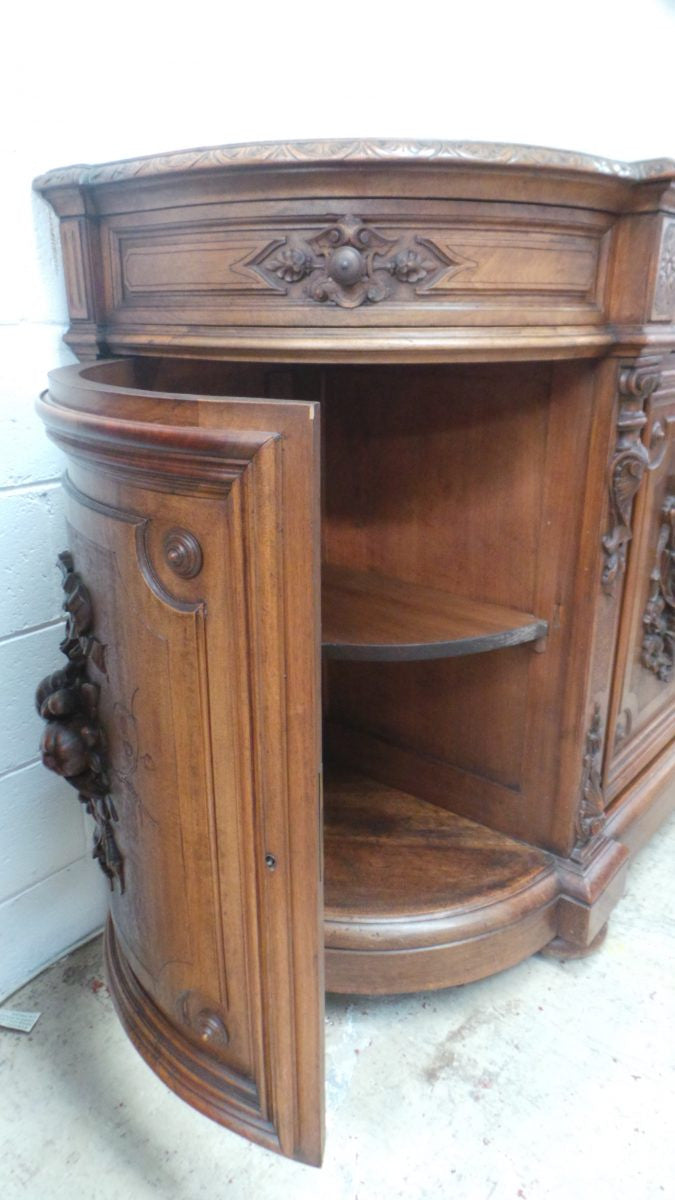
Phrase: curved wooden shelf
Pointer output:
(419, 898)
(366, 616)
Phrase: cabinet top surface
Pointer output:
(383, 151)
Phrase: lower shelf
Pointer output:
(418, 898)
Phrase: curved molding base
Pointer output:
(427, 968)
(562, 910)
(193, 1074)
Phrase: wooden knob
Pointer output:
(183, 553)
(346, 265)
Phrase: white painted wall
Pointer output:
(85, 82)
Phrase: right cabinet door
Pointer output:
(644, 691)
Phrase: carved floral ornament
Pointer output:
(351, 263)
(629, 462)
(73, 742)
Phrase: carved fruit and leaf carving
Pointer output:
(591, 811)
(629, 463)
(658, 643)
(73, 742)
(351, 263)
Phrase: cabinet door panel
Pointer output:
(193, 523)
(644, 690)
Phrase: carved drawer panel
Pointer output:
(644, 688)
(357, 261)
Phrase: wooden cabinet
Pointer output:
(371, 611)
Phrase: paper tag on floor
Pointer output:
(23, 1022)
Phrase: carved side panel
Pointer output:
(664, 296)
(76, 266)
(80, 248)
(643, 703)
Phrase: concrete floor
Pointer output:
(550, 1081)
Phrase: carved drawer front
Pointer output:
(184, 531)
(352, 262)
(644, 686)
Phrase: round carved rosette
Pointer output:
(183, 553)
(203, 1020)
(210, 1028)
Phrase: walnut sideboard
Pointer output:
(371, 464)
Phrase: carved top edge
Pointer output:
(354, 151)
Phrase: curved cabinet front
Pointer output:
(198, 559)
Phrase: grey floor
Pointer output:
(550, 1081)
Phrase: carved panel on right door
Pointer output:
(644, 684)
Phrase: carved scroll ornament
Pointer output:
(351, 263)
(658, 643)
(628, 465)
(73, 742)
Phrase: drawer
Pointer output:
(343, 262)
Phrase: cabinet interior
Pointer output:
(431, 513)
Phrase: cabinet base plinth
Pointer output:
(563, 950)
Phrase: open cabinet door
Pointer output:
(193, 593)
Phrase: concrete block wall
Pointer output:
(83, 84)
